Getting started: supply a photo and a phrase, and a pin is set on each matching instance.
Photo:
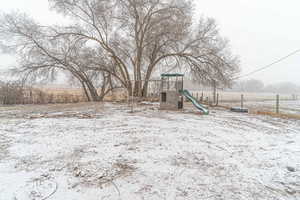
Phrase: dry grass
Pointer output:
(267, 113)
(117, 95)
(58, 91)
(280, 115)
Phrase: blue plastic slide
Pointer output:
(199, 106)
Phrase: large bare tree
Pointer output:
(141, 35)
(122, 41)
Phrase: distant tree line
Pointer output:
(119, 43)
(254, 85)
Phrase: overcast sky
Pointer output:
(260, 31)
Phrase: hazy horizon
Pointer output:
(260, 32)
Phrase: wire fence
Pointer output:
(41, 98)
(14, 93)
(263, 102)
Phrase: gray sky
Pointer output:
(260, 31)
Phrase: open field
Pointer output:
(102, 151)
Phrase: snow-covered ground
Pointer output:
(102, 151)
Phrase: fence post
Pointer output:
(242, 101)
(277, 103)
(132, 104)
(217, 104)
(215, 91)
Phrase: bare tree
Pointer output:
(122, 42)
(42, 56)
(141, 35)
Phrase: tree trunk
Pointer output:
(138, 88)
(85, 91)
(93, 91)
(147, 78)
(145, 89)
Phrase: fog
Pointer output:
(260, 32)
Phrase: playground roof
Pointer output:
(172, 75)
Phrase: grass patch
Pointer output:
(280, 115)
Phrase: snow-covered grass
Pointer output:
(285, 107)
(102, 151)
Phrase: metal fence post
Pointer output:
(215, 91)
(277, 104)
(242, 101)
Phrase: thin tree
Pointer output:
(42, 56)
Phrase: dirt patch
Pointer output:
(92, 174)
(79, 110)
(63, 115)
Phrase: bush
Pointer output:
(11, 93)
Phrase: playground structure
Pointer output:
(172, 94)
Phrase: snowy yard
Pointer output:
(102, 151)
